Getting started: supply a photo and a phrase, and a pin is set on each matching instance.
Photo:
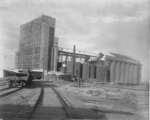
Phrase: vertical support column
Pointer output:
(85, 71)
(106, 79)
(138, 73)
(52, 60)
(93, 70)
(112, 71)
(137, 82)
(135, 75)
(117, 72)
(122, 72)
(130, 74)
(132, 78)
(119, 81)
(98, 71)
(54, 56)
(126, 73)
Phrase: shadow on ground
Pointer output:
(44, 84)
(23, 112)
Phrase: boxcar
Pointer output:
(15, 79)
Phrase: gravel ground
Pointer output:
(110, 98)
(18, 105)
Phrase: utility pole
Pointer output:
(75, 76)
(74, 61)
(43, 67)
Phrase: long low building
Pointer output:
(114, 68)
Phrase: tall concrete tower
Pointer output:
(36, 45)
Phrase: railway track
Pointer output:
(3, 82)
(64, 104)
(4, 89)
(7, 92)
(49, 106)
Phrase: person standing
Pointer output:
(29, 78)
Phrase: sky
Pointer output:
(120, 26)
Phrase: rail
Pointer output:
(39, 100)
(38, 104)
(10, 92)
(63, 102)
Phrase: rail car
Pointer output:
(36, 74)
(20, 78)
(15, 79)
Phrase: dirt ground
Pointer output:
(110, 98)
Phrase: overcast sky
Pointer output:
(120, 26)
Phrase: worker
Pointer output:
(30, 77)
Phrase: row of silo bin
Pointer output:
(98, 71)
(124, 70)
(78, 68)
(85, 73)
(90, 70)
(112, 69)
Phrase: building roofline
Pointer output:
(38, 18)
